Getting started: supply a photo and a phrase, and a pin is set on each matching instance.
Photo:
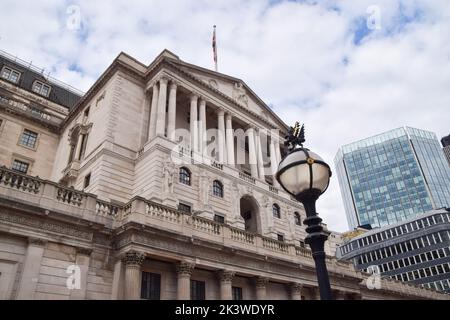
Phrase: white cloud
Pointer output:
(300, 57)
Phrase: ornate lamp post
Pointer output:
(304, 175)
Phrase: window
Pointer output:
(218, 188)
(236, 293)
(297, 219)
(41, 88)
(184, 207)
(10, 74)
(86, 113)
(280, 237)
(302, 244)
(218, 218)
(28, 138)
(150, 286)
(87, 180)
(185, 176)
(20, 166)
(197, 290)
(276, 211)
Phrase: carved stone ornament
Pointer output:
(226, 276)
(84, 251)
(239, 94)
(185, 268)
(296, 288)
(213, 83)
(168, 176)
(133, 258)
(36, 241)
(265, 201)
(261, 282)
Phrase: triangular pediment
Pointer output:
(233, 88)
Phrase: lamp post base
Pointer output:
(316, 240)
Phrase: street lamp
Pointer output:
(304, 175)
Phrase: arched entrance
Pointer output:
(250, 212)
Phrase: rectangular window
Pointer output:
(10, 74)
(184, 207)
(87, 180)
(197, 290)
(41, 88)
(280, 237)
(86, 113)
(236, 293)
(28, 138)
(218, 218)
(20, 166)
(150, 286)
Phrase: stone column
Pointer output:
(259, 154)
(221, 135)
(261, 288)
(172, 111)
(78, 149)
(252, 152)
(161, 116)
(133, 262)
(296, 291)
(153, 112)
(184, 272)
(82, 260)
(273, 161)
(202, 127)
(277, 150)
(230, 140)
(194, 123)
(226, 280)
(31, 267)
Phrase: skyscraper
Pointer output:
(446, 145)
(392, 176)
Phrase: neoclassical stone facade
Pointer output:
(157, 184)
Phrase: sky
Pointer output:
(347, 69)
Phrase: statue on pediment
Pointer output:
(213, 83)
(239, 94)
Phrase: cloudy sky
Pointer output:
(348, 69)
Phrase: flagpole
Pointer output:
(214, 44)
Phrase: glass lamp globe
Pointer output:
(303, 172)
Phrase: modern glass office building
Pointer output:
(392, 176)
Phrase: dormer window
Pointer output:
(10, 74)
(41, 88)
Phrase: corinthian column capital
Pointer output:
(185, 268)
(134, 258)
(261, 282)
(226, 275)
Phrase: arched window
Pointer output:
(276, 210)
(218, 188)
(185, 176)
(297, 219)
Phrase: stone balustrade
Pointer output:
(19, 181)
(54, 197)
(273, 189)
(246, 177)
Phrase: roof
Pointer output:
(60, 92)
(393, 225)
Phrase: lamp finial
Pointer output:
(296, 136)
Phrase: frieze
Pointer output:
(49, 226)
